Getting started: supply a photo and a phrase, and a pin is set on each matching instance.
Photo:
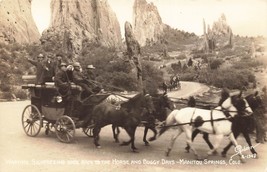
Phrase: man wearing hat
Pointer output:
(89, 73)
(90, 76)
(80, 79)
(62, 81)
(40, 68)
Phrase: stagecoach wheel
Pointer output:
(31, 120)
(65, 129)
(88, 131)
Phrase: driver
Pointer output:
(80, 79)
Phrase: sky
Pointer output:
(245, 17)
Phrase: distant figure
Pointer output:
(191, 102)
(40, 68)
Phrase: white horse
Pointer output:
(216, 121)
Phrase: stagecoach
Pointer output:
(57, 113)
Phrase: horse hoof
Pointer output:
(187, 149)
(117, 141)
(135, 150)
(224, 155)
(98, 147)
(198, 157)
(167, 153)
(215, 153)
(151, 139)
(255, 156)
(212, 152)
(147, 144)
(123, 144)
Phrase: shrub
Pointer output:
(215, 64)
(21, 94)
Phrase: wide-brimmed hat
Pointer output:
(40, 55)
(90, 67)
(76, 64)
(63, 64)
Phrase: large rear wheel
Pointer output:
(65, 129)
(31, 120)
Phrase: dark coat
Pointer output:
(40, 69)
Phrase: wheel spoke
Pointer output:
(26, 125)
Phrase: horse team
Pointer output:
(232, 117)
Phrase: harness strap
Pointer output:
(191, 121)
(211, 121)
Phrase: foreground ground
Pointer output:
(45, 153)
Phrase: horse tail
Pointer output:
(169, 122)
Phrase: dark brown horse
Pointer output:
(161, 103)
(127, 116)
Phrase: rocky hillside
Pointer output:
(74, 22)
(16, 22)
(147, 23)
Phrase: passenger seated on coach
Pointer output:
(62, 80)
(80, 79)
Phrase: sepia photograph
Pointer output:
(133, 85)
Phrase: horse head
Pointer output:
(139, 101)
(166, 102)
(254, 100)
(236, 105)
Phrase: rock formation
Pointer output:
(147, 23)
(16, 22)
(134, 52)
(74, 22)
(220, 35)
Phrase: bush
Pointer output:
(21, 94)
(215, 64)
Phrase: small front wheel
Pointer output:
(31, 120)
(65, 129)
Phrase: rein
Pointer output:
(175, 125)
(211, 120)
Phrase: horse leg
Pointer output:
(144, 138)
(225, 150)
(133, 138)
(131, 132)
(155, 133)
(174, 137)
(206, 138)
(189, 138)
(194, 134)
(115, 135)
(218, 140)
(246, 135)
(237, 147)
(96, 132)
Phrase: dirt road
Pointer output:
(19, 152)
(189, 89)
